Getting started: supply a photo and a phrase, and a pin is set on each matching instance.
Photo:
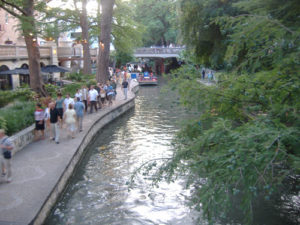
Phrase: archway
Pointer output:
(5, 79)
(24, 78)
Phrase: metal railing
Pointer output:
(12, 52)
(159, 50)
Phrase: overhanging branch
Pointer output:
(11, 11)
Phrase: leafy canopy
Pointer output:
(244, 148)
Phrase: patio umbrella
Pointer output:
(54, 69)
(16, 71)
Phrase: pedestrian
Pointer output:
(70, 120)
(6, 147)
(84, 93)
(55, 119)
(102, 96)
(78, 94)
(97, 88)
(114, 86)
(203, 73)
(68, 100)
(79, 108)
(210, 76)
(39, 116)
(110, 93)
(93, 94)
(59, 105)
(125, 88)
(47, 119)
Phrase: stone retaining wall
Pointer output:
(26, 136)
(23, 138)
(94, 129)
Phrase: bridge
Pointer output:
(158, 52)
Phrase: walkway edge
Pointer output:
(64, 178)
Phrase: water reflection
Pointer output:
(98, 193)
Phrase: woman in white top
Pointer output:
(78, 95)
(70, 120)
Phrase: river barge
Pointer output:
(147, 79)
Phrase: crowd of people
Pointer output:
(69, 112)
(64, 113)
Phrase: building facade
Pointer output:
(9, 33)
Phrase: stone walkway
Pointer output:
(38, 168)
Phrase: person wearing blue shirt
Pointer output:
(79, 108)
(110, 93)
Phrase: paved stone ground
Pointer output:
(37, 169)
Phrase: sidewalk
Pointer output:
(40, 168)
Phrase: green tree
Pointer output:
(69, 20)
(25, 10)
(245, 144)
(159, 19)
(105, 39)
(126, 32)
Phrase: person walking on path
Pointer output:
(93, 94)
(114, 85)
(39, 116)
(84, 93)
(203, 73)
(78, 94)
(110, 93)
(70, 120)
(125, 88)
(54, 122)
(68, 100)
(59, 105)
(79, 108)
(102, 96)
(6, 146)
(98, 88)
(47, 119)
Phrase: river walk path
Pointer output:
(39, 170)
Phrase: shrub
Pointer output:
(52, 89)
(91, 82)
(17, 117)
(75, 77)
(71, 89)
(23, 94)
(3, 123)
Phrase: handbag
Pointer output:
(7, 154)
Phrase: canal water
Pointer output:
(98, 191)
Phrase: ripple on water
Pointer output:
(98, 193)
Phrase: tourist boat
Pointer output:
(147, 79)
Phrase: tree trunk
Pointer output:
(105, 37)
(85, 39)
(36, 81)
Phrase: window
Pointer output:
(6, 18)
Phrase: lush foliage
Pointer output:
(7, 97)
(159, 19)
(17, 116)
(245, 145)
